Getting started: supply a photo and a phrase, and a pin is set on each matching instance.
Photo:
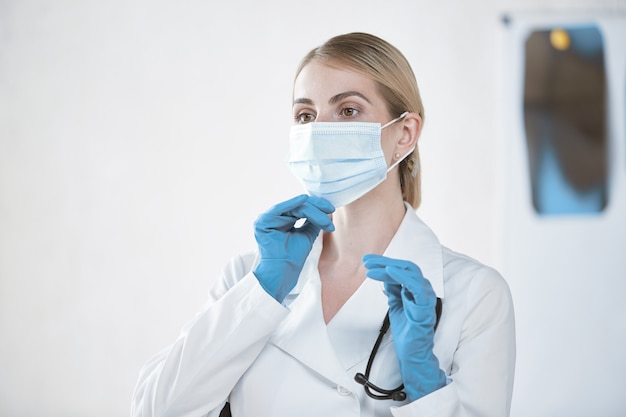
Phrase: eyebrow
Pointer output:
(347, 94)
(334, 99)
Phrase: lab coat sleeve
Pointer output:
(480, 381)
(195, 375)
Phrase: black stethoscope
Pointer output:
(396, 394)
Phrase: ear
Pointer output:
(411, 129)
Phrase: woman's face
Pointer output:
(328, 94)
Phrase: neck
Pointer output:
(365, 226)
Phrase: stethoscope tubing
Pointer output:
(396, 394)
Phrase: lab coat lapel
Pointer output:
(303, 334)
(355, 327)
(415, 242)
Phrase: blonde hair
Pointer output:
(388, 67)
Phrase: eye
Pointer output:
(349, 112)
(304, 117)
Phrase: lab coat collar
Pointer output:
(416, 242)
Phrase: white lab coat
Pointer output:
(271, 359)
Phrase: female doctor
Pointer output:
(294, 328)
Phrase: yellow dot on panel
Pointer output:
(559, 38)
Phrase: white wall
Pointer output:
(139, 141)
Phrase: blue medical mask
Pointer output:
(339, 161)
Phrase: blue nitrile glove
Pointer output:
(283, 248)
(412, 316)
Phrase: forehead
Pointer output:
(319, 81)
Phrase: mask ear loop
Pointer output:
(402, 116)
(392, 166)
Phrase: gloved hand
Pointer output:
(412, 316)
(283, 248)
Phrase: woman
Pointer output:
(291, 329)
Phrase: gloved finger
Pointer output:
(267, 222)
(419, 291)
(394, 296)
(419, 314)
(416, 290)
(372, 261)
(314, 215)
(392, 288)
(314, 209)
(380, 274)
(401, 298)
(403, 272)
(377, 268)
(283, 216)
(322, 204)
